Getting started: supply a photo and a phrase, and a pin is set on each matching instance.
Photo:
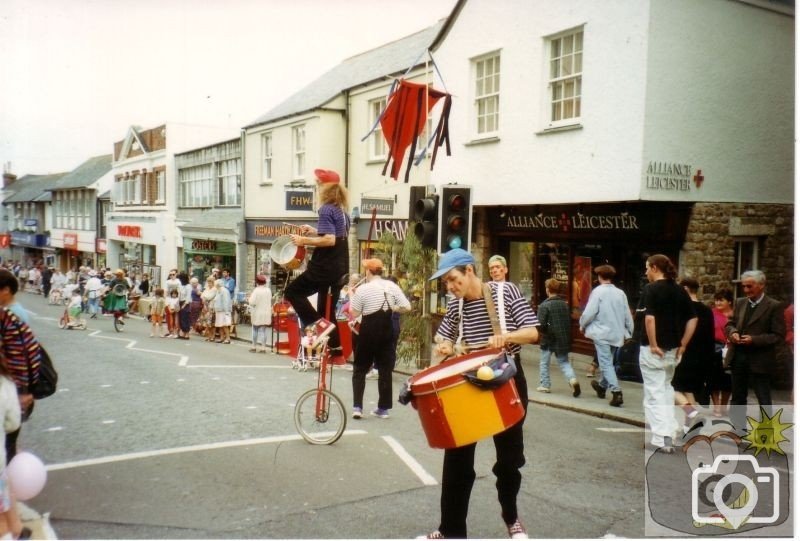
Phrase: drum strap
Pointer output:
(498, 323)
(501, 307)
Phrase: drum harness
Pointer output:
(497, 317)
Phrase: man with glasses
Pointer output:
(756, 328)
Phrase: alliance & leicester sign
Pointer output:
(640, 220)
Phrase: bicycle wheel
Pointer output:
(323, 425)
(62, 323)
(118, 324)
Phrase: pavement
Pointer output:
(560, 396)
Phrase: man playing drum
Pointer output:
(471, 320)
(329, 262)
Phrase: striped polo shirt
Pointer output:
(477, 327)
(369, 298)
(333, 221)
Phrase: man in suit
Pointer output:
(756, 328)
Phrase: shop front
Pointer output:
(567, 241)
(260, 234)
(200, 256)
(132, 247)
(398, 229)
(100, 250)
(29, 248)
(74, 249)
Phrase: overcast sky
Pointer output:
(77, 73)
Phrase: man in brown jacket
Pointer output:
(756, 328)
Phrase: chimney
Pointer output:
(8, 176)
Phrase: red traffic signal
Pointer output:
(456, 214)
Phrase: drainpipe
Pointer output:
(241, 228)
(353, 240)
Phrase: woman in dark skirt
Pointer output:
(184, 315)
(693, 369)
(719, 381)
(196, 303)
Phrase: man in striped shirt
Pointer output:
(375, 301)
(470, 319)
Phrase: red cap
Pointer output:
(327, 176)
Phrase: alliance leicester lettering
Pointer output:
(668, 176)
(620, 222)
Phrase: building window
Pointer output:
(566, 69)
(197, 186)
(487, 94)
(266, 151)
(161, 186)
(299, 150)
(745, 258)
(229, 182)
(136, 189)
(377, 144)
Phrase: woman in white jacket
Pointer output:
(260, 302)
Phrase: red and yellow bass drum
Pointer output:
(455, 412)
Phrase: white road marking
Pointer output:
(236, 366)
(413, 465)
(54, 429)
(178, 450)
(109, 422)
(619, 429)
(105, 386)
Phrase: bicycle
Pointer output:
(319, 415)
(65, 322)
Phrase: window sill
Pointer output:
(482, 141)
(376, 161)
(268, 183)
(558, 129)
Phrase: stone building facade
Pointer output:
(710, 250)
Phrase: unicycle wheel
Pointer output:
(319, 417)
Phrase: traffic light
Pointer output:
(426, 214)
(456, 216)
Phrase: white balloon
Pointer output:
(26, 475)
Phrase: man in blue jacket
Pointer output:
(608, 322)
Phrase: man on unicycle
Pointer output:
(116, 298)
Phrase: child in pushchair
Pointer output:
(308, 354)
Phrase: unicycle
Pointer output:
(119, 322)
(319, 415)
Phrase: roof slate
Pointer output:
(32, 188)
(390, 59)
(85, 174)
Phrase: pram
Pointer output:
(56, 296)
(303, 362)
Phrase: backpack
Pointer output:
(48, 377)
